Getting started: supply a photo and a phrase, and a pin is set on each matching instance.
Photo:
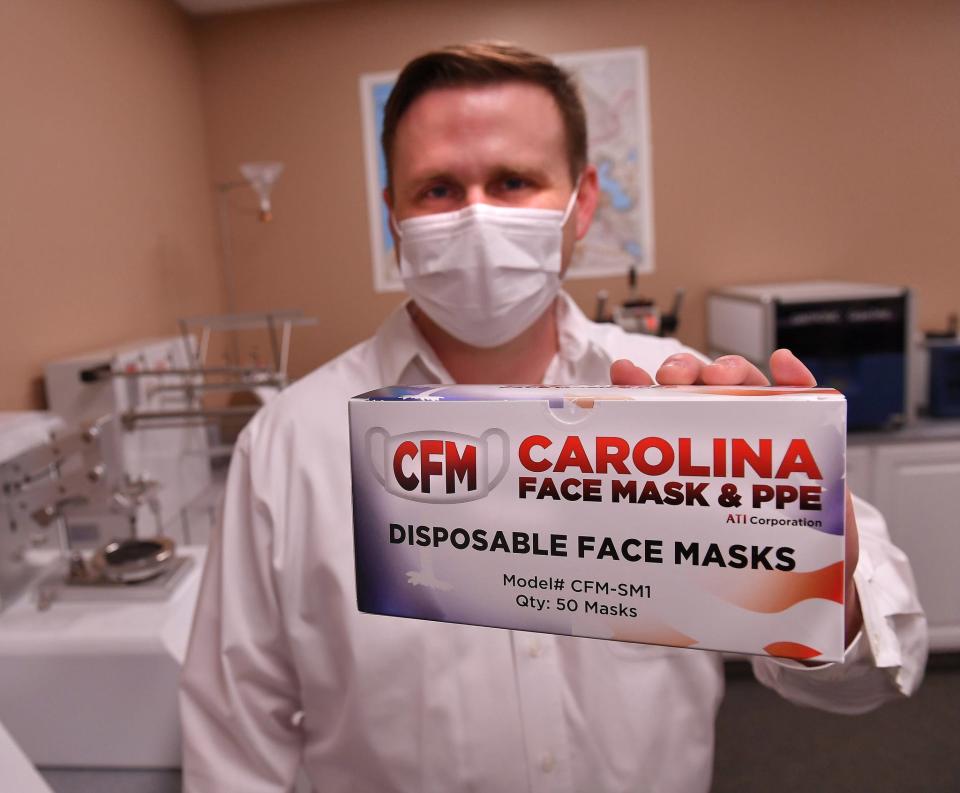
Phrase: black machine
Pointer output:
(853, 337)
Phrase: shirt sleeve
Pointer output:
(239, 693)
(886, 659)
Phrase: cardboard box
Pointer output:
(701, 517)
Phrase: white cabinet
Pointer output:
(860, 471)
(916, 485)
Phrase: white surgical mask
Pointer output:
(484, 273)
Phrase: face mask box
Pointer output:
(701, 517)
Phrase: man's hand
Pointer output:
(686, 369)
(787, 370)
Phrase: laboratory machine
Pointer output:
(854, 337)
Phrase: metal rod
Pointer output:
(210, 370)
(285, 350)
(223, 450)
(187, 346)
(204, 346)
(174, 424)
(131, 418)
(274, 343)
(227, 386)
(248, 320)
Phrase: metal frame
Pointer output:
(279, 326)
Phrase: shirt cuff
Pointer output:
(857, 652)
(893, 635)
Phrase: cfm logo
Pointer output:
(438, 466)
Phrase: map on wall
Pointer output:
(613, 84)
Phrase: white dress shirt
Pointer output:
(283, 669)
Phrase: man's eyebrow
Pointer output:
(527, 171)
(432, 176)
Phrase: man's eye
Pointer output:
(438, 191)
(515, 183)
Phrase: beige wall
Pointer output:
(791, 140)
(106, 227)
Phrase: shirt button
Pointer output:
(535, 648)
(548, 762)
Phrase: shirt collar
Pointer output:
(400, 344)
(576, 335)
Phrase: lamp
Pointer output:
(262, 176)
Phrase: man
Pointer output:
(489, 188)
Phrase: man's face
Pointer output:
(501, 144)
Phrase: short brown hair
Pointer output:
(487, 63)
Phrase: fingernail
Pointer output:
(727, 361)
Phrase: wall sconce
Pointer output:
(261, 178)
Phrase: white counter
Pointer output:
(18, 773)
(95, 684)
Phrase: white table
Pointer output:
(95, 684)
(18, 773)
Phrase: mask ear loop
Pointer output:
(395, 226)
(398, 249)
(572, 202)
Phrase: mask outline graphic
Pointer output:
(485, 483)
